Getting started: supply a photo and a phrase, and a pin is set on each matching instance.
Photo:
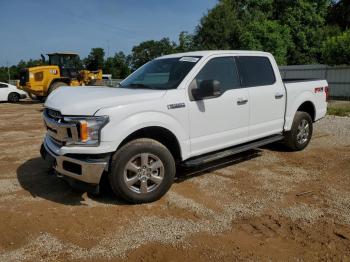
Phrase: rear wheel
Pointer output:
(142, 171)
(301, 132)
(54, 86)
(13, 97)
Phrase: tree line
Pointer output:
(294, 31)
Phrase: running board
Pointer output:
(231, 151)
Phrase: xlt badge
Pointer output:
(177, 105)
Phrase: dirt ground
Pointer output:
(265, 204)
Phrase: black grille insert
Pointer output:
(72, 167)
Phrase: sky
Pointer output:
(29, 28)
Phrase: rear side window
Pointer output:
(255, 71)
(222, 69)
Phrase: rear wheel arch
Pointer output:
(308, 107)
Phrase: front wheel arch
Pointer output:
(159, 134)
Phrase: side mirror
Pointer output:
(207, 89)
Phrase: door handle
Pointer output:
(278, 95)
(241, 101)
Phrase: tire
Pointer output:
(13, 97)
(301, 132)
(42, 99)
(54, 86)
(133, 163)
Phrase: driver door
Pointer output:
(222, 121)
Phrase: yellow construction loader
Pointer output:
(63, 69)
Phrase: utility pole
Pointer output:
(107, 48)
(8, 70)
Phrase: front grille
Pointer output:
(61, 132)
(23, 76)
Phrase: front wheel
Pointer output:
(13, 98)
(301, 132)
(142, 171)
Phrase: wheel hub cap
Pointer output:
(143, 173)
(303, 132)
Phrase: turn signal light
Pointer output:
(83, 131)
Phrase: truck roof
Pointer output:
(62, 53)
(214, 52)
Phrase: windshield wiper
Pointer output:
(139, 86)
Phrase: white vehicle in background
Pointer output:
(182, 109)
(107, 77)
(11, 93)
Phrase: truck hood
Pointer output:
(88, 100)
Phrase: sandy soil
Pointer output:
(265, 204)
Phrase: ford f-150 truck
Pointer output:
(180, 109)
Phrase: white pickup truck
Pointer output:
(180, 109)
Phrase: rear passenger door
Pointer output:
(266, 95)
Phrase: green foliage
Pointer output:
(339, 14)
(95, 59)
(338, 108)
(336, 49)
(220, 28)
(292, 30)
(244, 25)
(268, 36)
(3, 74)
(186, 42)
(118, 66)
(306, 21)
(149, 50)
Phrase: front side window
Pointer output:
(162, 74)
(3, 85)
(221, 69)
(255, 71)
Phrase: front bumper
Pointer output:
(88, 170)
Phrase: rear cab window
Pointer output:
(255, 71)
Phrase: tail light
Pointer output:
(326, 90)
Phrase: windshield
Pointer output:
(69, 61)
(161, 74)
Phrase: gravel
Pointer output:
(302, 212)
(337, 127)
(244, 193)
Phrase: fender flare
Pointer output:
(297, 102)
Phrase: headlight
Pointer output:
(89, 129)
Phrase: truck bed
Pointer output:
(297, 80)
(298, 90)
